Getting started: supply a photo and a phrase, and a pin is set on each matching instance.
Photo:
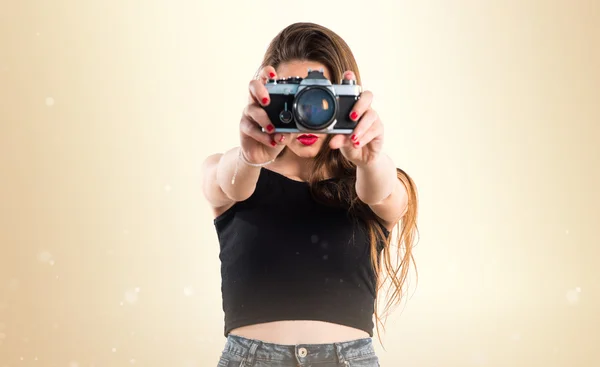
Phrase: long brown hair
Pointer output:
(312, 42)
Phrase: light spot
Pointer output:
(132, 361)
(297, 253)
(137, 289)
(479, 359)
(168, 188)
(125, 231)
(44, 257)
(131, 296)
(314, 238)
(73, 364)
(51, 262)
(325, 257)
(573, 296)
(516, 337)
(114, 350)
(49, 101)
(37, 34)
(567, 232)
(188, 291)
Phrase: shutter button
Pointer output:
(302, 352)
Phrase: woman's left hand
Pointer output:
(366, 141)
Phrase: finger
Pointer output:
(258, 115)
(251, 129)
(349, 75)
(361, 106)
(266, 73)
(365, 123)
(374, 132)
(259, 92)
(281, 139)
(338, 141)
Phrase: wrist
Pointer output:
(375, 163)
(246, 161)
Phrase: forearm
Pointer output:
(376, 180)
(245, 177)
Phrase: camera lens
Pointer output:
(315, 107)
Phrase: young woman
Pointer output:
(305, 222)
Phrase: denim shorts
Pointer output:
(243, 352)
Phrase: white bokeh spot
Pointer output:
(573, 296)
(50, 101)
(45, 257)
(131, 296)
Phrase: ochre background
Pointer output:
(108, 255)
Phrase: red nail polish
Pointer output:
(269, 128)
(272, 75)
(353, 115)
(357, 144)
(265, 100)
(273, 143)
(353, 137)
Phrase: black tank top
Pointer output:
(285, 256)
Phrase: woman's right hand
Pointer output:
(258, 146)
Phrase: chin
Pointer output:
(304, 151)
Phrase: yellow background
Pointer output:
(107, 109)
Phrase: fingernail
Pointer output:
(356, 144)
(270, 128)
(272, 74)
(353, 115)
(353, 137)
(273, 143)
(265, 100)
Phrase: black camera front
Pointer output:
(312, 104)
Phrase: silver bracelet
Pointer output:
(243, 159)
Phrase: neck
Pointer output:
(294, 166)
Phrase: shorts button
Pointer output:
(302, 352)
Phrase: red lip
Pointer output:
(307, 139)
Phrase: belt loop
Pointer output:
(340, 355)
(249, 360)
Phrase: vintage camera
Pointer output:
(312, 104)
